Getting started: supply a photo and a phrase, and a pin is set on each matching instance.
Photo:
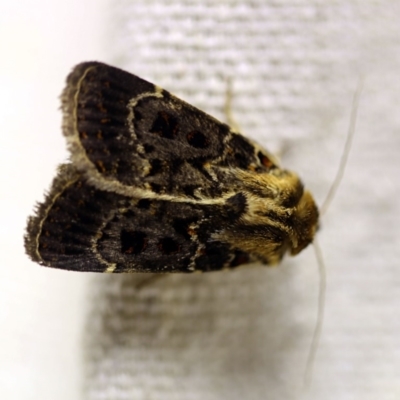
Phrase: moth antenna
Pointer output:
(320, 316)
(346, 151)
(228, 106)
(318, 252)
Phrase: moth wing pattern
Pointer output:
(156, 185)
(130, 135)
(82, 228)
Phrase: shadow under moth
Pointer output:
(156, 185)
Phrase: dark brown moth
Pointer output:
(156, 185)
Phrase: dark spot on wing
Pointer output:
(165, 125)
(133, 242)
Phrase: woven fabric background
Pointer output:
(294, 67)
(245, 334)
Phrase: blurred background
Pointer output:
(294, 65)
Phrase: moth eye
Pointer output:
(198, 140)
(133, 242)
(264, 160)
(165, 125)
(168, 246)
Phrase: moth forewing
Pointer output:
(156, 185)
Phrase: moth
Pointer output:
(156, 185)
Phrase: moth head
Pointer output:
(305, 223)
(302, 218)
(278, 216)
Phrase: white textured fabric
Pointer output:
(246, 334)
